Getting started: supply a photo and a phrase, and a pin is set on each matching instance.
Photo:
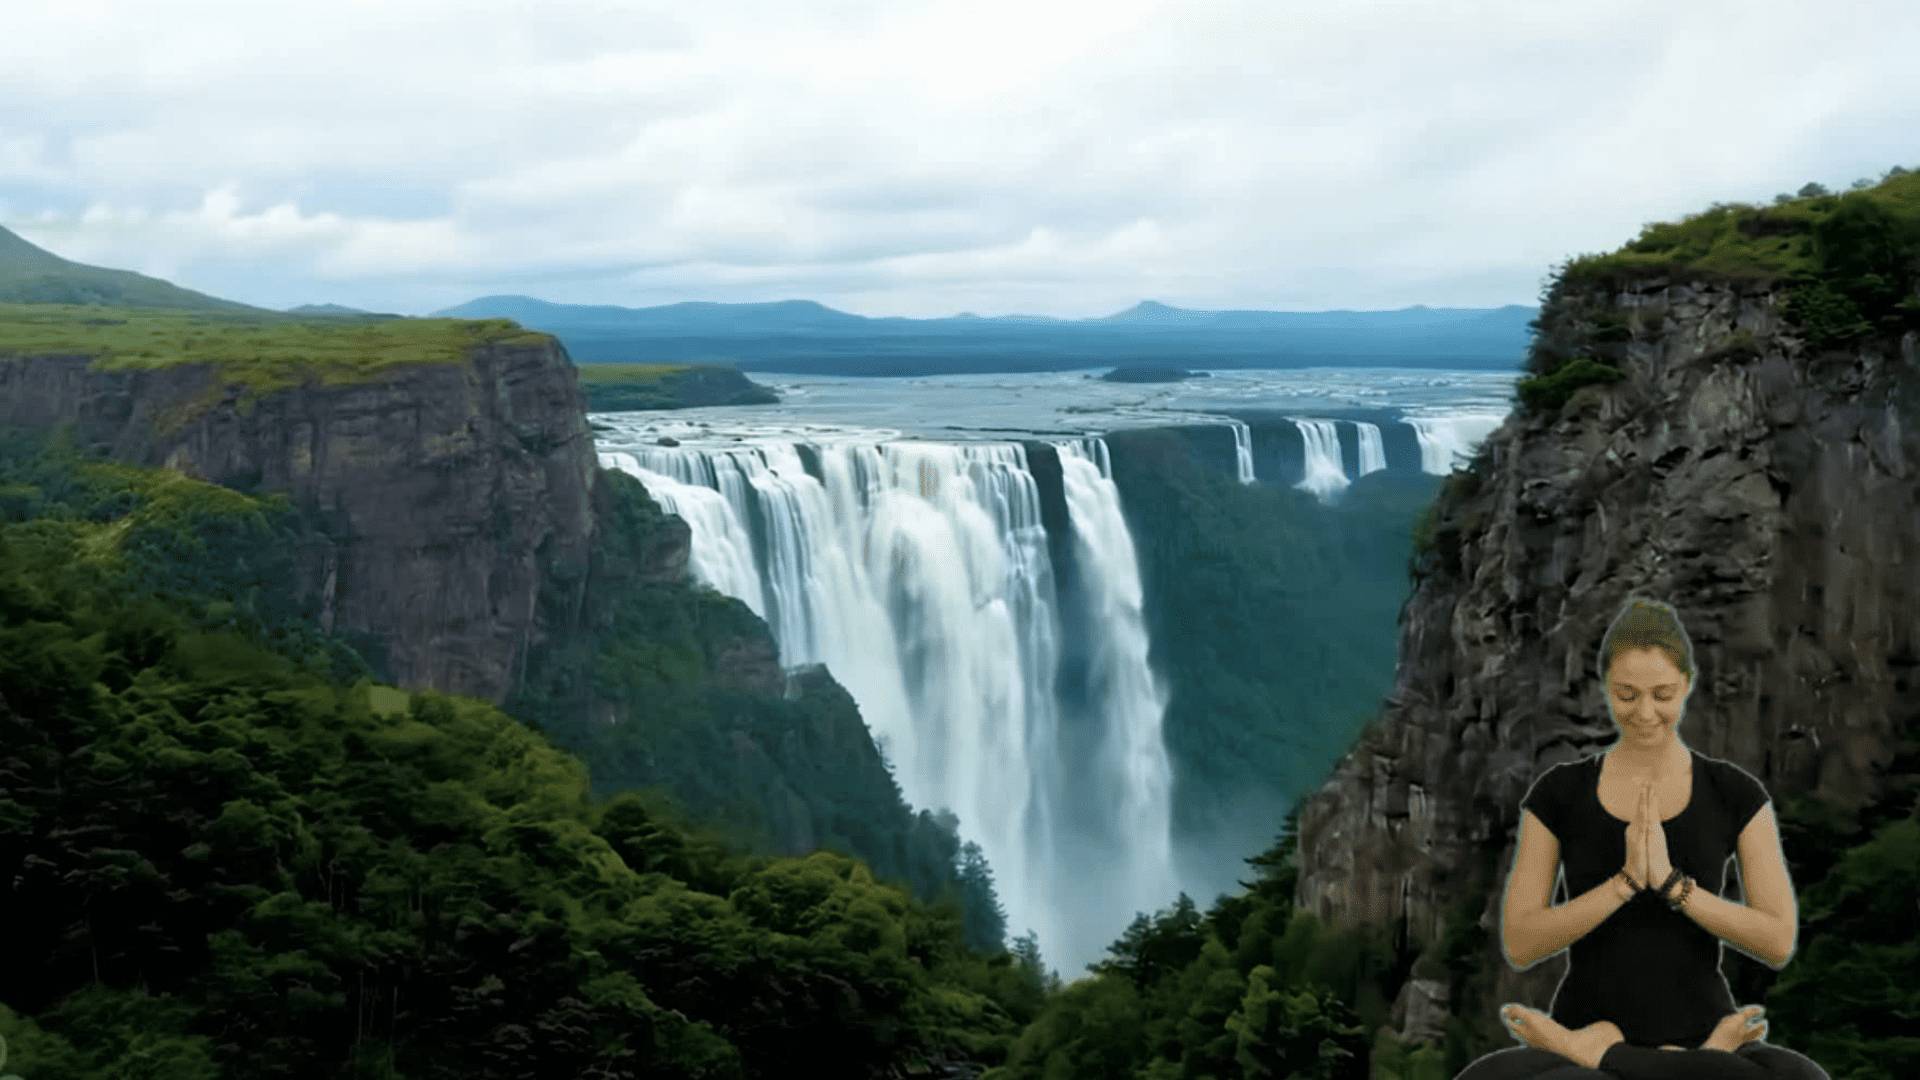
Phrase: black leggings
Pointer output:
(1754, 1061)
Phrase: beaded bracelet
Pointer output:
(1679, 903)
(1668, 884)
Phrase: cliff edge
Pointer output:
(450, 493)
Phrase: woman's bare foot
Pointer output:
(1737, 1029)
(1584, 1046)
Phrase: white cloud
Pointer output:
(896, 158)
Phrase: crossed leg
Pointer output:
(1589, 1044)
(1599, 1052)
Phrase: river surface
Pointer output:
(1070, 403)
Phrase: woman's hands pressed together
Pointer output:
(1647, 859)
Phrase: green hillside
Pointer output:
(260, 350)
(32, 275)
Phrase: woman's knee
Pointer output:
(1783, 1063)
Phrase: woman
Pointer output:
(1644, 830)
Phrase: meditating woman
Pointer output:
(1644, 829)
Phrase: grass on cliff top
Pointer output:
(627, 374)
(260, 352)
(1847, 266)
(1751, 244)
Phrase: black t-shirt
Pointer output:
(1653, 971)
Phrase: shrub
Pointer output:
(1547, 393)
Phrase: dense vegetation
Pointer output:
(219, 857)
(1271, 616)
(1848, 998)
(1251, 988)
(31, 275)
(632, 387)
(1848, 265)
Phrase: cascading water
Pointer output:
(1324, 471)
(1243, 449)
(920, 574)
(1447, 441)
(1124, 697)
(1373, 448)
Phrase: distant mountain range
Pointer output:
(32, 275)
(805, 336)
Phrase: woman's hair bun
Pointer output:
(1644, 622)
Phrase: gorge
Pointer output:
(983, 603)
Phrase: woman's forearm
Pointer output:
(1539, 934)
(1760, 934)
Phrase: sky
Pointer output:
(921, 159)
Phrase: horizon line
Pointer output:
(961, 314)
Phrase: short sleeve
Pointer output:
(1744, 796)
(1548, 799)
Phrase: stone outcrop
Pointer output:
(449, 493)
(1767, 490)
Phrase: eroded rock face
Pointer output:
(1767, 492)
(449, 491)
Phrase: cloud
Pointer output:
(919, 158)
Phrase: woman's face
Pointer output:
(1646, 693)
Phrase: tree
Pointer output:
(1154, 947)
(986, 919)
(1299, 1031)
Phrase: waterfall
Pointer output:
(1373, 449)
(722, 552)
(920, 573)
(1436, 455)
(1124, 696)
(1447, 442)
(1325, 473)
(1243, 449)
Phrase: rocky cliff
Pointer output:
(1766, 488)
(449, 493)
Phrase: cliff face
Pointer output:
(449, 493)
(1768, 492)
